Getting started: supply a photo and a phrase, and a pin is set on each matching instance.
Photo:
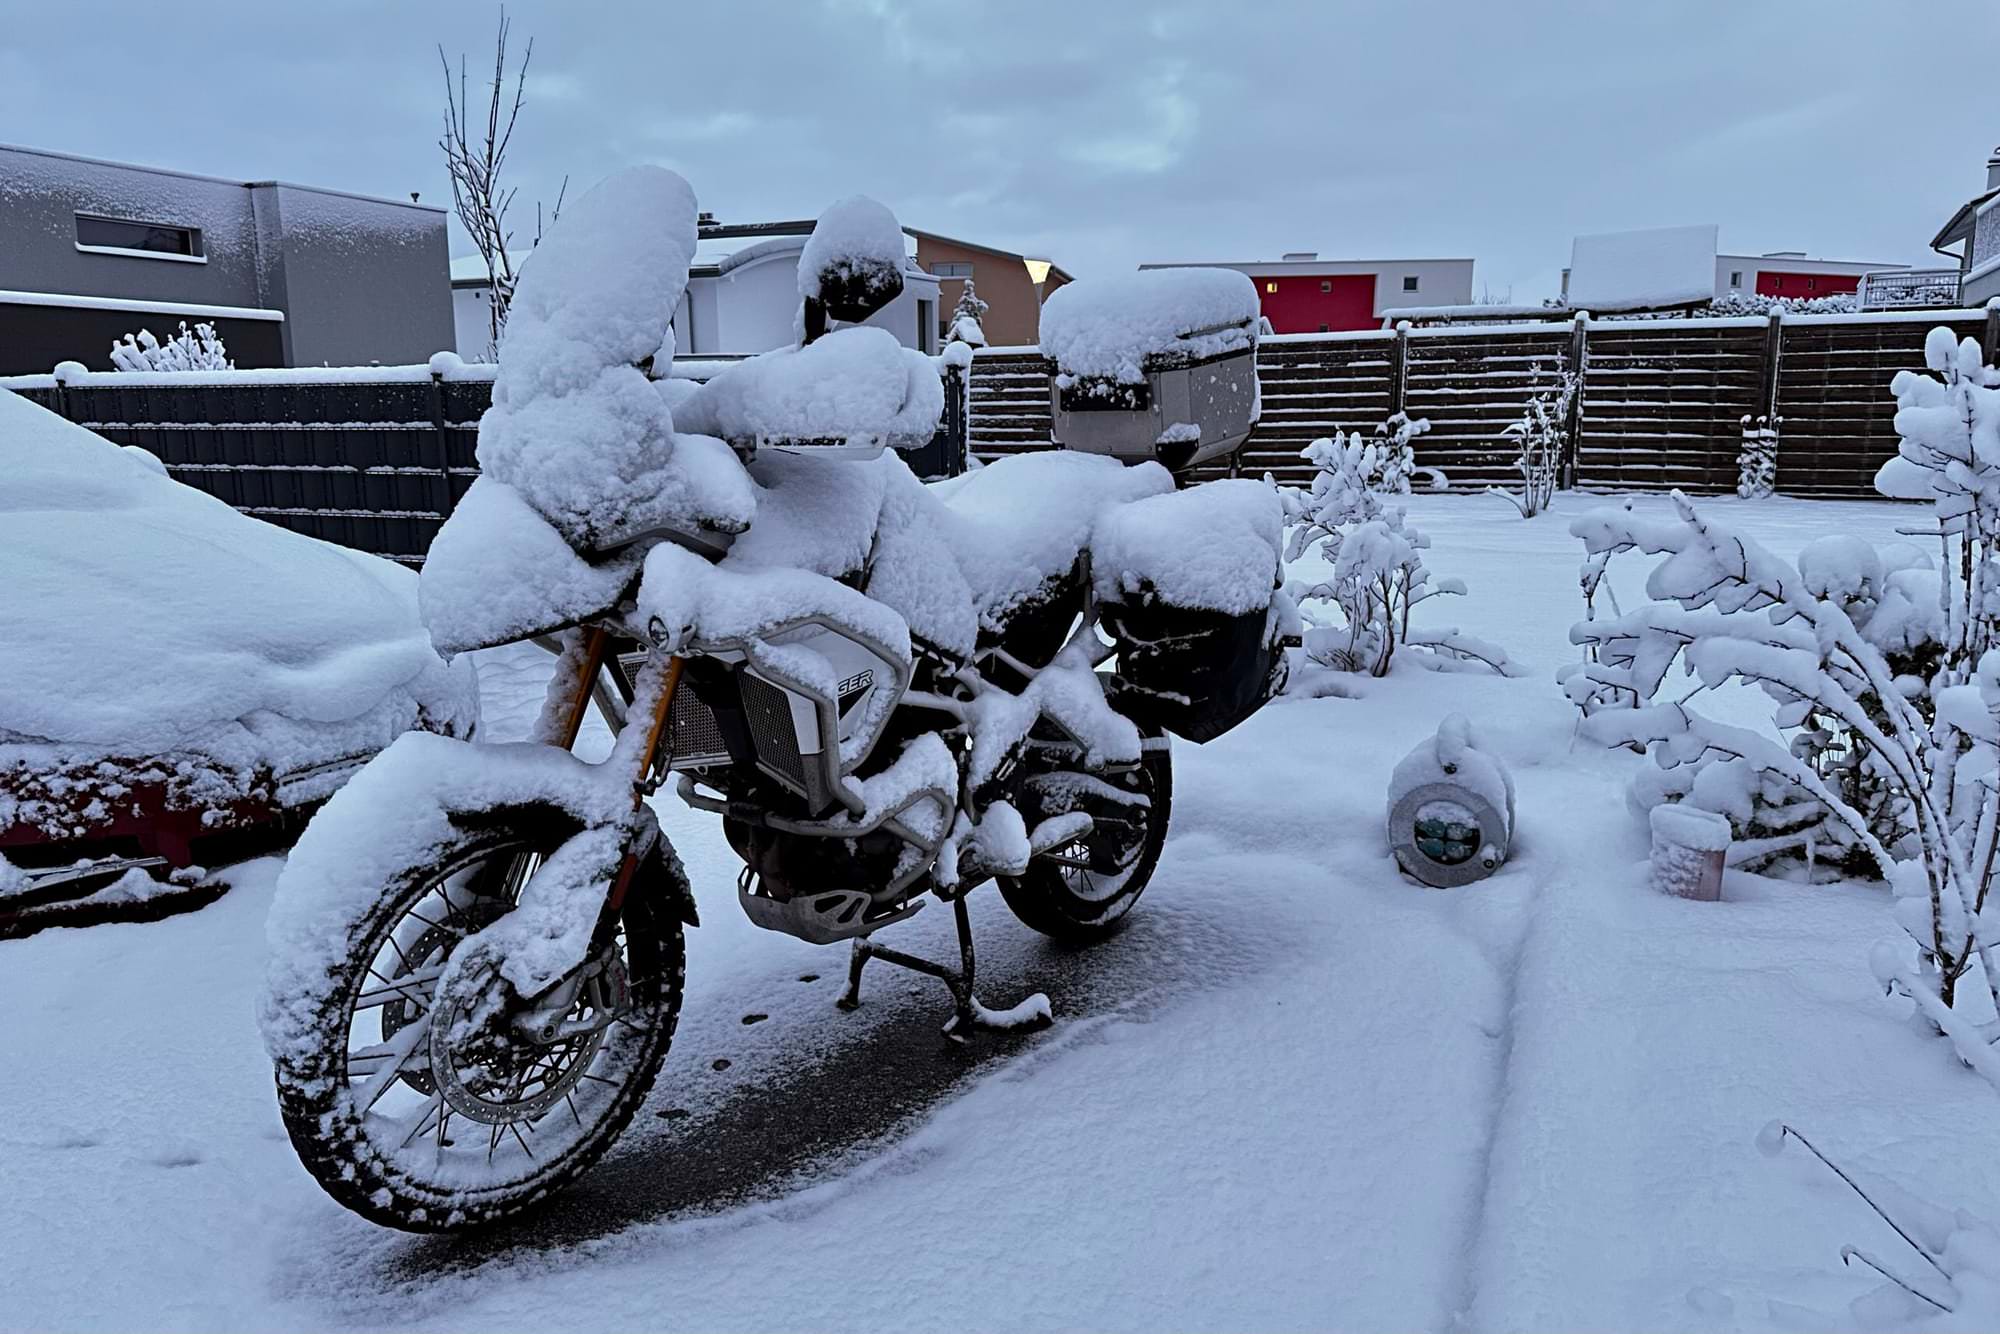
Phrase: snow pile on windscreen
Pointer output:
(1106, 328)
(575, 426)
(143, 618)
(855, 236)
(1214, 547)
(858, 386)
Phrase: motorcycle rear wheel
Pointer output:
(1079, 894)
(402, 1150)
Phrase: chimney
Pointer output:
(1993, 171)
(704, 219)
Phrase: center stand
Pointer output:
(967, 1012)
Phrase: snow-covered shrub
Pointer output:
(1887, 680)
(965, 318)
(1757, 461)
(199, 349)
(1542, 433)
(1378, 576)
(1753, 303)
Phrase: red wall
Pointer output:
(1299, 306)
(1770, 283)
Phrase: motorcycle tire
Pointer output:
(442, 1175)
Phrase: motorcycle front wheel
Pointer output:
(411, 1132)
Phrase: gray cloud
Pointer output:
(1100, 134)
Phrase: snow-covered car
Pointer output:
(178, 680)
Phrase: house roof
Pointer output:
(921, 235)
(219, 180)
(1960, 225)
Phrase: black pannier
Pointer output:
(1193, 672)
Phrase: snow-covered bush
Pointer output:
(1542, 433)
(1890, 597)
(199, 349)
(965, 318)
(1753, 303)
(1378, 576)
(1887, 679)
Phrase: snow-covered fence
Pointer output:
(370, 457)
(1660, 403)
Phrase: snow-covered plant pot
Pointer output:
(1451, 809)
(1156, 365)
(1689, 845)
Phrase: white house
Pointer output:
(742, 295)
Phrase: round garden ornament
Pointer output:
(1451, 809)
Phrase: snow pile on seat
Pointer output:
(143, 618)
(1214, 547)
(1106, 328)
(853, 236)
(857, 385)
(1020, 522)
(575, 426)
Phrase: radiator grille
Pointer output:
(768, 715)
(694, 736)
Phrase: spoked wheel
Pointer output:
(428, 1113)
(1078, 893)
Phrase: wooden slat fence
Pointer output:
(375, 463)
(1662, 402)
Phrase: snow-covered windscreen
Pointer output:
(1659, 266)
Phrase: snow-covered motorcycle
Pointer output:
(887, 691)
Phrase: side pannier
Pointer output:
(1188, 585)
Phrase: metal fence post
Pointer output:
(1399, 366)
(1579, 366)
(1989, 342)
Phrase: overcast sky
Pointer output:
(1100, 134)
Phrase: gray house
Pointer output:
(1977, 225)
(289, 275)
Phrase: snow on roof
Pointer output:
(1658, 266)
(219, 180)
(70, 302)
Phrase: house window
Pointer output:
(1268, 287)
(133, 236)
(1325, 285)
(1736, 277)
(951, 269)
(1409, 282)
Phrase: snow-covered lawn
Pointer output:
(1299, 1091)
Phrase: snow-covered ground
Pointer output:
(1298, 1092)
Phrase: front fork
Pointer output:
(577, 683)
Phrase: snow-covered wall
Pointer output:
(360, 281)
